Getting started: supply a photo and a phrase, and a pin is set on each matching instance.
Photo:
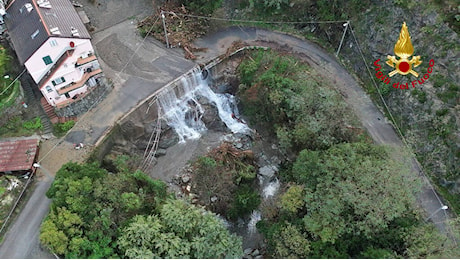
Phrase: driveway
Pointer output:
(376, 124)
(150, 67)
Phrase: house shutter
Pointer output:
(54, 83)
(63, 79)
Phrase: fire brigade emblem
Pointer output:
(403, 49)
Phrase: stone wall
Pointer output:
(93, 98)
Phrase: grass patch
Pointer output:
(34, 124)
(442, 112)
(16, 126)
(8, 98)
(60, 129)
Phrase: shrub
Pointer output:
(34, 124)
(62, 128)
(246, 200)
(442, 112)
(202, 6)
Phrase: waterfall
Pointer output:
(184, 113)
(271, 188)
(255, 217)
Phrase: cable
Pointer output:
(249, 21)
(11, 84)
(397, 128)
(100, 98)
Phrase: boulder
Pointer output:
(211, 118)
(160, 152)
(185, 178)
(268, 171)
(168, 139)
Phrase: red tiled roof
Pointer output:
(17, 155)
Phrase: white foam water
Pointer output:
(271, 189)
(256, 216)
(184, 113)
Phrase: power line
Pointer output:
(100, 98)
(397, 127)
(62, 138)
(12, 83)
(250, 21)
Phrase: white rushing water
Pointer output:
(271, 189)
(184, 113)
(256, 216)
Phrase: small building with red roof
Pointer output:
(18, 155)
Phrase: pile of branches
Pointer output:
(181, 29)
(216, 183)
(231, 157)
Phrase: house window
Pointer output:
(49, 89)
(35, 34)
(53, 43)
(67, 95)
(58, 81)
(47, 60)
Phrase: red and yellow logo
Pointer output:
(404, 65)
(403, 49)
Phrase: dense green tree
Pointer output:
(293, 199)
(292, 243)
(353, 188)
(425, 241)
(89, 205)
(180, 231)
(293, 102)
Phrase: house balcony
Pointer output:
(80, 83)
(82, 61)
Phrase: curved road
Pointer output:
(21, 241)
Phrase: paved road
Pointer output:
(153, 67)
(379, 128)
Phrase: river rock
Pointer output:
(259, 257)
(185, 178)
(247, 251)
(255, 252)
(211, 118)
(160, 152)
(168, 139)
(268, 171)
(214, 199)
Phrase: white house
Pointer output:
(52, 42)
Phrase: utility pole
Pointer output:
(164, 26)
(343, 37)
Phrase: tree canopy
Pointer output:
(179, 231)
(95, 214)
(352, 188)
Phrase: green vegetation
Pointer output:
(34, 124)
(293, 102)
(8, 94)
(61, 129)
(178, 231)
(201, 6)
(17, 127)
(344, 197)
(99, 215)
(229, 176)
